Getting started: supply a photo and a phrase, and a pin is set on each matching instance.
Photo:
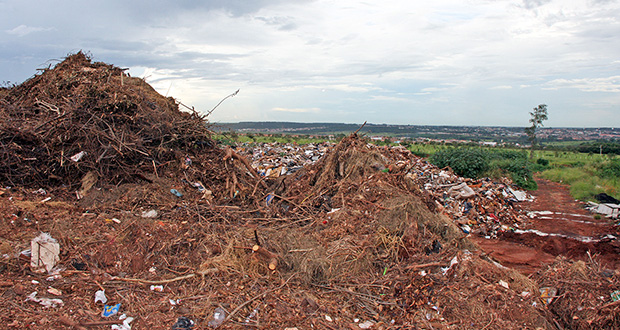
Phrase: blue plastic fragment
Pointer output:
(269, 199)
(176, 192)
(109, 310)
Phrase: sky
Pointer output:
(440, 62)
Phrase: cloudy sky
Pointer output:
(441, 62)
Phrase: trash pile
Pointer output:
(274, 159)
(122, 222)
(479, 206)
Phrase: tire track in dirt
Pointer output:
(559, 225)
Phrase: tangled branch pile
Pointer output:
(82, 117)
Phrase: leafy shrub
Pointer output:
(466, 162)
(542, 161)
(475, 163)
(610, 169)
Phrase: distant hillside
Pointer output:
(474, 133)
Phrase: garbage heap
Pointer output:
(80, 125)
(272, 160)
(479, 206)
(353, 241)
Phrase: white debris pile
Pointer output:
(276, 159)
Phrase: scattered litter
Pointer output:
(219, 315)
(176, 193)
(521, 196)
(109, 310)
(44, 253)
(504, 284)
(547, 294)
(100, 297)
(366, 325)
(45, 302)
(461, 191)
(54, 291)
(150, 214)
(268, 199)
(77, 157)
(615, 296)
(609, 210)
(47, 199)
(328, 318)
(126, 323)
(157, 288)
(184, 323)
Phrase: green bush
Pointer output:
(609, 169)
(466, 162)
(475, 163)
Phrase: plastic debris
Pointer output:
(461, 191)
(219, 315)
(547, 294)
(54, 291)
(150, 214)
(504, 284)
(76, 158)
(269, 199)
(328, 318)
(100, 296)
(183, 323)
(157, 288)
(615, 296)
(126, 323)
(109, 310)
(198, 185)
(366, 325)
(45, 302)
(176, 193)
(44, 253)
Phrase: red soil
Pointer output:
(574, 232)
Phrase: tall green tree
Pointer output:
(538, 115)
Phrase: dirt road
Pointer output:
(559, 225)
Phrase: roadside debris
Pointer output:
(45, 302)
(44, 253)
(219, 316)
(183, 323)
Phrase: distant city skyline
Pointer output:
(445, 62)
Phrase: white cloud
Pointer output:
(419, 62)
(23, 30)
(608, 84)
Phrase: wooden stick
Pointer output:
(138, 280)
(269, 256)
(611, 304)
(364, 124)
(430, 264)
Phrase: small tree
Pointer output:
(539, 114)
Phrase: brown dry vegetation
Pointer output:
(351, 241)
